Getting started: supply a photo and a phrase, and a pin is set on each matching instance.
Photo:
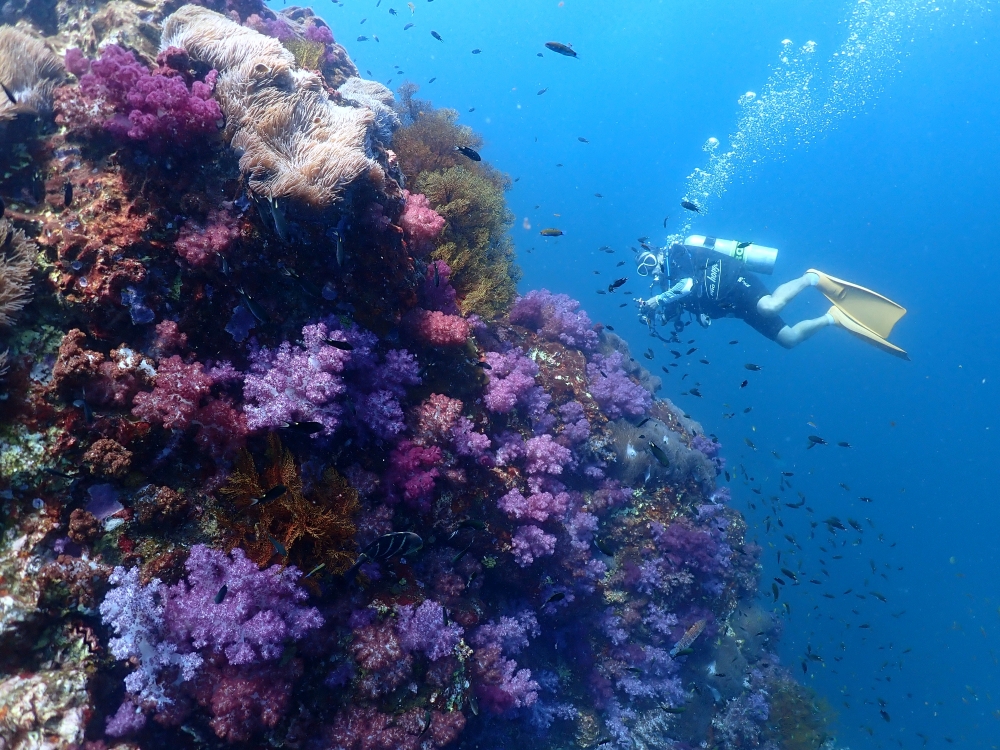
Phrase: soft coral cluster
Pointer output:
(555, 317)
(170, 632)
(305, 383)
(160, 109)
(182, 397)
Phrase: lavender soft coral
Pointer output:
(225, 608)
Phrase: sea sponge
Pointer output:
(30, 71)
(295, 142)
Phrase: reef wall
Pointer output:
(284, 461)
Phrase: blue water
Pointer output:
(896, 190)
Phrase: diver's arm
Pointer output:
(661, 307)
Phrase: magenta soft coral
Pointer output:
(159, 109)
(199, 242)
(412, 471)
(182, 397)
(435, 328)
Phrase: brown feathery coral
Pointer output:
(16, 254)
(108, 458)
(295, 141)
(474, 243)
(29, 71)
(312, 531)
(427, 141)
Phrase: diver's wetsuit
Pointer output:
(724, 288)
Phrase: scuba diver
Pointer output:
(715, 278)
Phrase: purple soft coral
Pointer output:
(421, 629)
(612, 388)
(555, 317)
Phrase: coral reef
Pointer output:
(285, 461)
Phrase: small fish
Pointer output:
(774, 588)
(305, 428)
(694, 392)
(317, 569)
(880, 597)
(865, 499)
(562, 49)
(432, 79)
(617, 283)
(392, 11)
(222, 594)
(748, 410)
(603, 546)
(855, 525)
(844, 444)
(884, 714)
(688, 205)
(408, 26)
(472, 523)
(556, 597)
(750, 444)
(272, 494)
(598, 195)
(387, 546)
(644, 420)
(542, 91)
(484, 364)
(476, 51)
(67, 194)
(744, 384)
(362, 39)
(815, 440)
(610, 328)
(582, 139)
(255, 309)
(692, 350)
(741, 245)
(473, 109)
(469, 152)
(278, 546)
(412, 7)
(789, 574)
(57, 473)
(734, 341)
(437, 36)
(672, 709)
(88, 413)
(461, 554)
(363, 20)
(659, 455)
(344, 346)
(551, 232)
(752, 367)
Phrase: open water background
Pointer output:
(895, 188)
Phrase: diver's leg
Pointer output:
(775, 302)
(791, 336)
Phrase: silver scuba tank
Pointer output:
(756, 258)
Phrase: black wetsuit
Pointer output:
(724, 288)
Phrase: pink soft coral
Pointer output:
(199, 242)
(434, 328)
(421, 223)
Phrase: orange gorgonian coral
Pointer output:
(313, 531)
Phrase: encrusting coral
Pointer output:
(294, 140)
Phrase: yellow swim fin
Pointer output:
(847, 322)
(865, 307)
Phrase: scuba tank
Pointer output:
(756, 258)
